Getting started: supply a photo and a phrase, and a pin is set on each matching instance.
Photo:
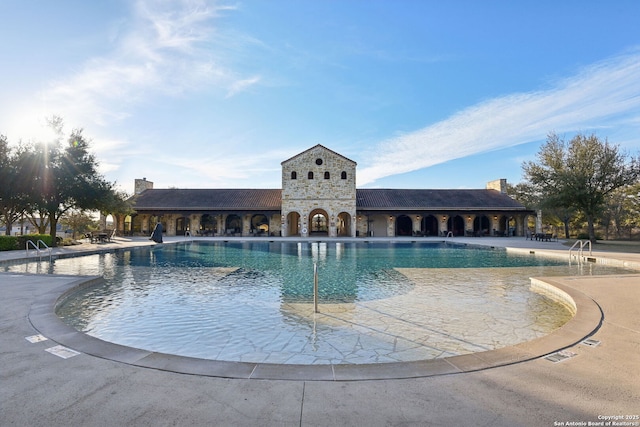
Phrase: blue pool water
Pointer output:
(348, 271)
(251, 301)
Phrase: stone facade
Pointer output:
(319, 194)
(318, 197)
(142, 184)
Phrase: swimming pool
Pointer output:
(251, 301)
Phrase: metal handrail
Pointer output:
(315, 287)
(582, 244)
(36, 246)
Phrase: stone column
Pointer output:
(171, 225)
(221, 230)
(284, 224)
(194, 224)
(416, 224)
(304, 225)
(391, 231)
(145, 224)
(442, 224)
(468, 224)
(246, 225)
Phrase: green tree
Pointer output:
(63, 177)
(78, 221)
(580, 174)
(12, 197)
(623, 211)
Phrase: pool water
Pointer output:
(252, 301)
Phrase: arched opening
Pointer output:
(343, 225)
(429, 225)
(502, 224)
(110, 222)
(293, 224)
(128, 225)
(136, 224)
(233, 225)
(343, 175)
(327, 175)
(294, 175)
(404, 226)
(208, 225)
(182, 226)
(481, 226)
(318, 223)
(511, 226)
(455, 225)
(260, 225)
(310, 175)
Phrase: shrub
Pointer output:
(585, 236)
(8, 243)
(22, 240)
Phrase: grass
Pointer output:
(628, 246)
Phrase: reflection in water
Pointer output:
(252, 301)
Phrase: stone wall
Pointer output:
(319, 181)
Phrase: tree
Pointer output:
(623, 211)
(580, 174)
(63, 178)
(11, 194)
(78, 221)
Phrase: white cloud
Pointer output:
(604, 95)
(241, 85)
(164, 48)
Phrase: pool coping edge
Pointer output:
(587, 320)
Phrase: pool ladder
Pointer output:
(39, 250)
(580, 248)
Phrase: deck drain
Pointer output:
(62, 351)
(35, 338)
(560, 356)
(591, 343)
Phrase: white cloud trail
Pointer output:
(603, 95)
(164, 48)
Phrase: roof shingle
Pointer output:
(366, 199)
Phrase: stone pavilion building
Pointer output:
(319, 198)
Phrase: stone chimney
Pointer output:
(499, 185)
(142, 184)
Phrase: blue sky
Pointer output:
(421, 94)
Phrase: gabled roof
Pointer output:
(315, 147)
(366, 199)
(393, 199)
(209, 199)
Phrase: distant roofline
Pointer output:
(316, 146)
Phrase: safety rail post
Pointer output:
(576, 243)
(315, 287)
(581, 244)
(29, 242)
(46, 247)
(36, 246)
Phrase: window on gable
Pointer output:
(343, 175)
(327, 175)
(310, 175)
(294, 175)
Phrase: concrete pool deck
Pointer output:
(39, 388)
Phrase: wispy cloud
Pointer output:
(603, 95)
(164, 48)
